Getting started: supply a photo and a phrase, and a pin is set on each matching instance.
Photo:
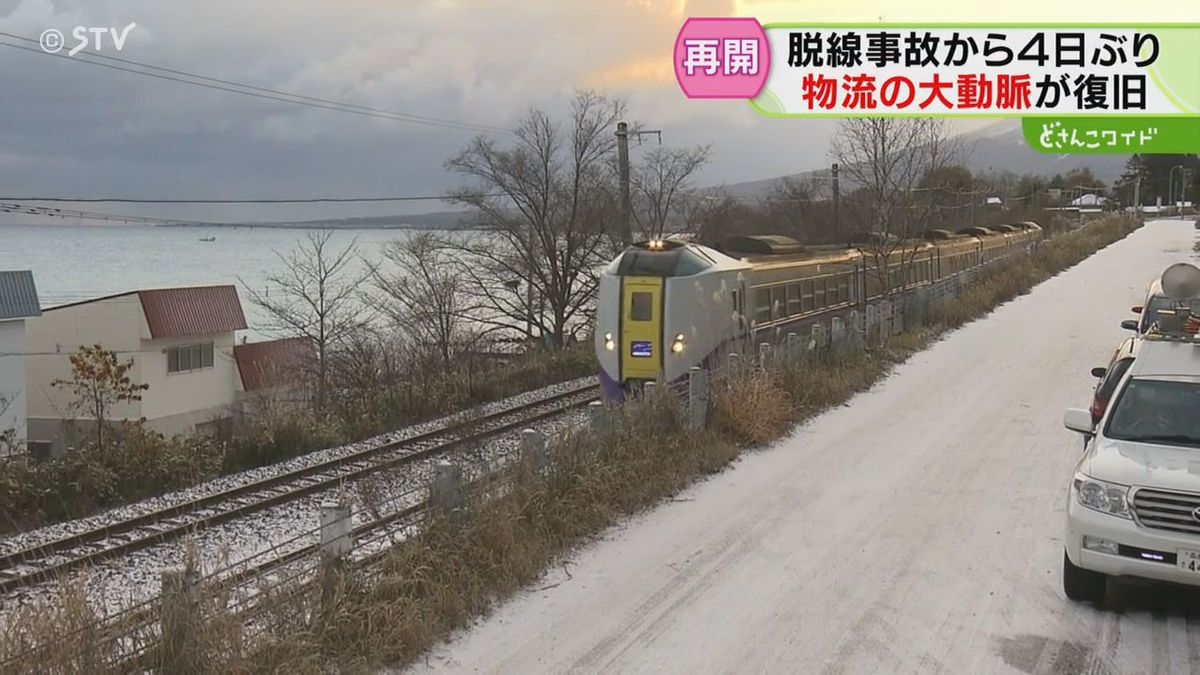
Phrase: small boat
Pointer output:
(208, 238)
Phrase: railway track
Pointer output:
(47, 561)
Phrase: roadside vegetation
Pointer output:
(520, 523)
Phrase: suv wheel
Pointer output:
(1082, 585)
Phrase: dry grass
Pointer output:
(450, 572)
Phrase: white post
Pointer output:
(448, 494)
(697, 397)
(533, 450)
(179, 621)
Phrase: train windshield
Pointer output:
(676, 262)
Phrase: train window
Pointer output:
(793, 299)
(844, 288)
(819, 293)
(806, 296)
(762, 305)
(641, 307)
(778, 303)
(831, 292)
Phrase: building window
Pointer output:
(189, 357)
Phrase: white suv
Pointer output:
(1133, 507)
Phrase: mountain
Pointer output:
(997, 147)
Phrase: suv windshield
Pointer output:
(1157, 411)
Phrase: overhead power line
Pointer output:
(310, 200)
(175, 75)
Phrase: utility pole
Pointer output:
(837, 197)
(623, 134)
(1171, 186)
(1137, 194)
(1184, 175)
(623, 173)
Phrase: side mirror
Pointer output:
(1130, 324)
(1079, 419)
(1099, 371)
(1136, 309)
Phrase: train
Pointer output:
(666, 305)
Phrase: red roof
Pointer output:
(199, 310)
(263, 365)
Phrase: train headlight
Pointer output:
(608, 342)
(677, 344)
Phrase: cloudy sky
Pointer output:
(71, 129)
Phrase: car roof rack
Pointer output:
(1175, 325)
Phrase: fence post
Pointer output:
(180, 620)
(336, 541)
(697, 397)
(885, 319)
(533, 450)
(764, 354)
(448, 494)
(818, 336)
(597, 416)
(872, 323)
(837, 334)
(734, 366)
(648, 389)
(792, 346)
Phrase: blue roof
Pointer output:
(18, 295)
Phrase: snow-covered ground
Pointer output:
(918, 529)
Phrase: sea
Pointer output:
(71, 263)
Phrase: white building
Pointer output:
(18, 302)
(180, 341)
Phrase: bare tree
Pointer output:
(315, 296)
(546, 205)
(8, 436)
(420, 290)
(659, 185)
(886, 158)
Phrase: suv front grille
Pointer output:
(1163, 510)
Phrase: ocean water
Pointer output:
(74, 262)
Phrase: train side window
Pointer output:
(806, 296)
(641, 306)
(778, 303)
(819, 293)
(762, 305)
(831, 293)
(844, 288)
(793, 299)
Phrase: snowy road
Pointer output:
(917, 530)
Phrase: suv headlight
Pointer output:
(1110, 498)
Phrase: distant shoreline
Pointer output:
(321, 226)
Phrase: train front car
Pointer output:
(664, 306)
